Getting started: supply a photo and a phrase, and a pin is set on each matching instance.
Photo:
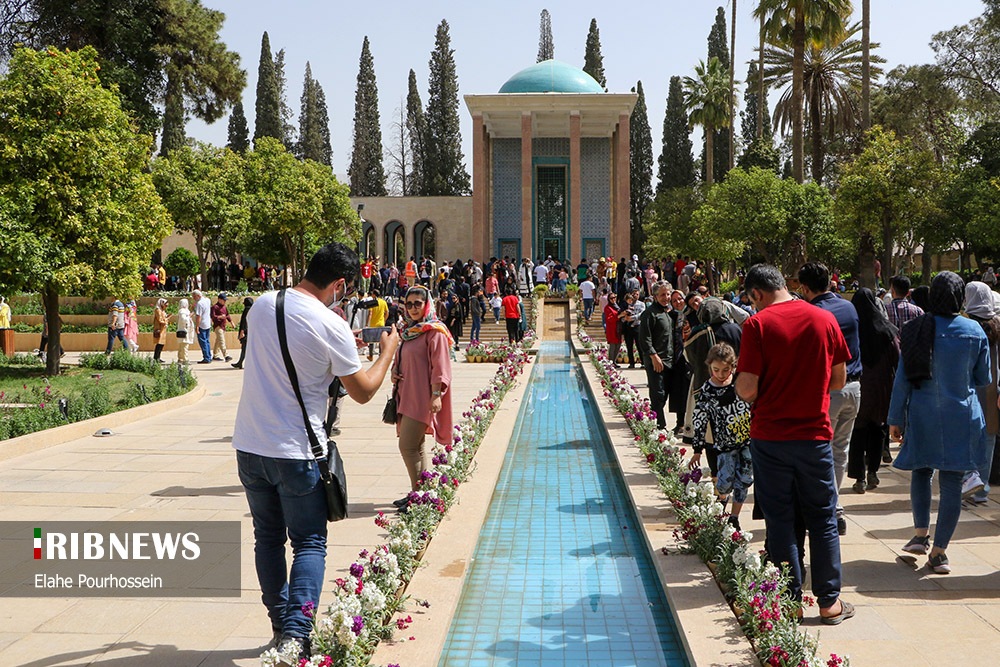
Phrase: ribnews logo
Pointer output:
(93, 545)
(121, 559)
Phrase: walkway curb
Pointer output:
(33, 442)
(706, 625)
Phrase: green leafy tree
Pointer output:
(239, 131)
(717, 48)
(668, 228)
(182, 263)
(416, 129)
(706, 96)
(796, 23)
(366, 171)
(593, 60)
(546, 48)
(759, 150)
(676, 162)
(921, 102)
(80, 212)
(202, 187)
(295, 206)
(267, 120)
(641, 167)
(443, 166)
(883, 195)
(832, 78)
(970, 56)
(141, 45)
(314, 126)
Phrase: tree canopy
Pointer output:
(80, 212)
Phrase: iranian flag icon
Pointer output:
(38, 544)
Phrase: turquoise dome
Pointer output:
(551, 76)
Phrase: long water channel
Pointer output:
(561, 574)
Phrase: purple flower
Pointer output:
(307, 609)
(359, 625)
(357, 570)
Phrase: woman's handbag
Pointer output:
(389, 415)
(331, 465)
(182, 334)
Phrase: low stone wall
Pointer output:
(100, 320)
(98, 342)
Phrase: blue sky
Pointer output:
(493, 40)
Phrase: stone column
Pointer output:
(620, 223)
(575, 248)
(527, 242)
(479, 177)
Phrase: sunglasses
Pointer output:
(414, 304)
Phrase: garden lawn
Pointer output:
(27, 384)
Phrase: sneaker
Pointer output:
(205, 361)
(228, 358)
(939, 564)
(918, 545)
(216, 358)
(972, 484)
(873, 481)
(841, 525)
(858, 486)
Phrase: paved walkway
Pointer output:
(180, 465)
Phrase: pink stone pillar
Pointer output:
(575, 248)
(479, 179)
(620, 221)
(527, 245)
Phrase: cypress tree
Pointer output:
(239, 132)
(267, 122)
(718, 47)
(676, 163)
(444, 170)
(284, 111)
(546, 48)
(314, 131)
(593, 61)
(366, 171)
(757, 152)
(416, 127)
(641, 167)
(173, 118)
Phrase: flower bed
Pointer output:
(479, 352)
(347, 630)
(755, 588)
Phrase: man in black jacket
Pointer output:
(656, 344)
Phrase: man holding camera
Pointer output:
(276, 466)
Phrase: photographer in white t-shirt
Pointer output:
(276, 464)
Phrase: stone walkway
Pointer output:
(180, 465)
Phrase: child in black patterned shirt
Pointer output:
(718, 406)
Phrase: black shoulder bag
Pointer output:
(331, 465)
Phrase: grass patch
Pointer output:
(125, 381)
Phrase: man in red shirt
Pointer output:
(512, 315)
(366, 275)
(792, 355)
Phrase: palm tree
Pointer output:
(706, 97)
(818, 20)
(832, 79)
(866, 65)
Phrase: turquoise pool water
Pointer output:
(561, 575)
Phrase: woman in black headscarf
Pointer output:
(935, 411)
(879, 356)
(242, 333)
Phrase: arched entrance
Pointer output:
(368, 248)
(394, 237)
(424, 239)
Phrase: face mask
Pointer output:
(336, 299)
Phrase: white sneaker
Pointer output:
(972, 484)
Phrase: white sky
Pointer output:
(494, 40)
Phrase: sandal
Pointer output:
(846, 612)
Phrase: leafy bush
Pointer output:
(729, 286)
(182, 262)
(20, 359)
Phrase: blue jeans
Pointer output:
(800, 473)
(204, 344)
(986, 469)
(477, 324)
(949, 506)
(286, 498)
(588, 308)
(112, 334)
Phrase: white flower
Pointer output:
(372, 599)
